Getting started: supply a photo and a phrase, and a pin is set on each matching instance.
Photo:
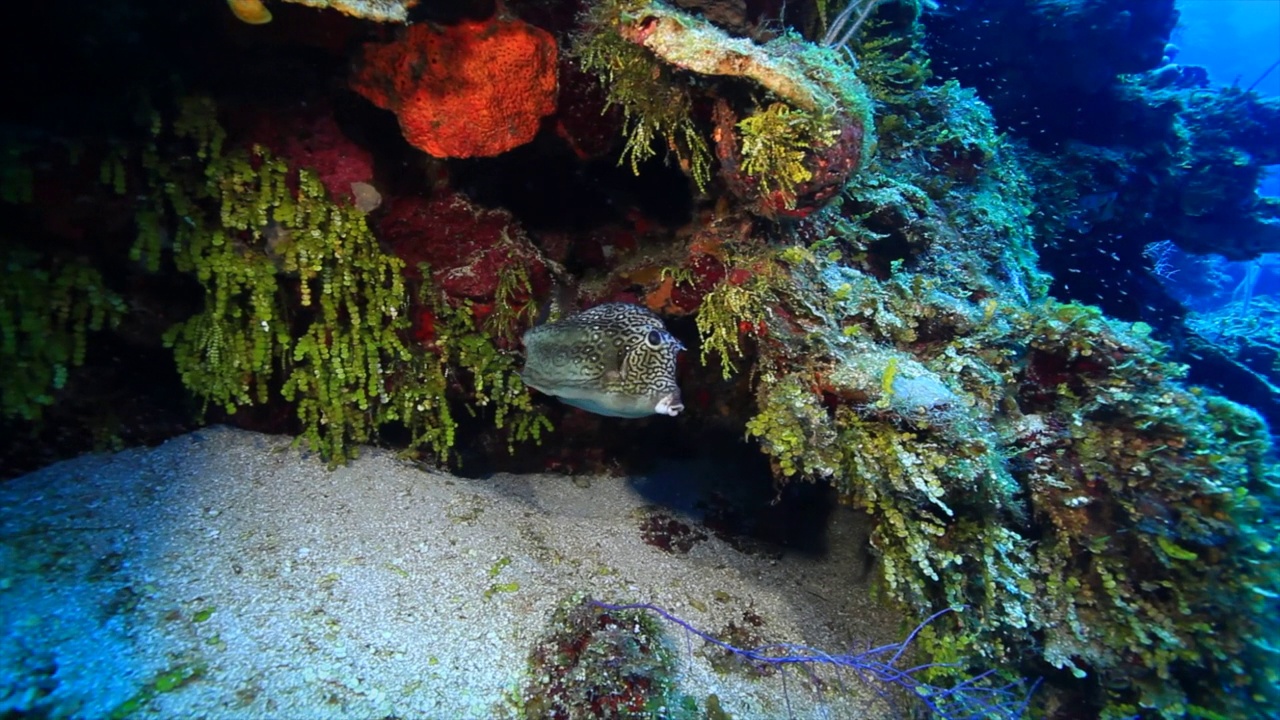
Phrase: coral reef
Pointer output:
(1184, 168)
(1238, 352)
(911, 357)
(1024, 459)
(1129, 149)
(859, 274)
(477, 88)
(1150, 151)
(1043, 65)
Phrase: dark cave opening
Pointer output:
(548, 188)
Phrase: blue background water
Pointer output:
(1237, 40)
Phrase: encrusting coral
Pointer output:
(472, 251)
(473, 89)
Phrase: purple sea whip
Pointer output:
(969, 699)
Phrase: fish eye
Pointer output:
(654, 339)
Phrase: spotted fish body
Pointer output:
(615, 359)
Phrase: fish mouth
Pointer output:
(669, 404)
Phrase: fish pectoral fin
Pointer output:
(549, 385)
(578, 383)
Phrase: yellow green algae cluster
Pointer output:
(655, 106)
(49, 305)
(1031, 464)
(775, 141)
(300, 301)
(48, 308)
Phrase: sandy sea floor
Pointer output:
(226, 574)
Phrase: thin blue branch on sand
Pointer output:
(968, 699)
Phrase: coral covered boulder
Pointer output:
(475, 89)
(784, 159)
(784, 162)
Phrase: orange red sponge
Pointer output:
(475, 89)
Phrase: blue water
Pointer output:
(1237, 40)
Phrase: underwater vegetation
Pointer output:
(858, 285)
(601, 662)
(46, 316)
(786, 157)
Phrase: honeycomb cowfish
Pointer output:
(615, 359)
